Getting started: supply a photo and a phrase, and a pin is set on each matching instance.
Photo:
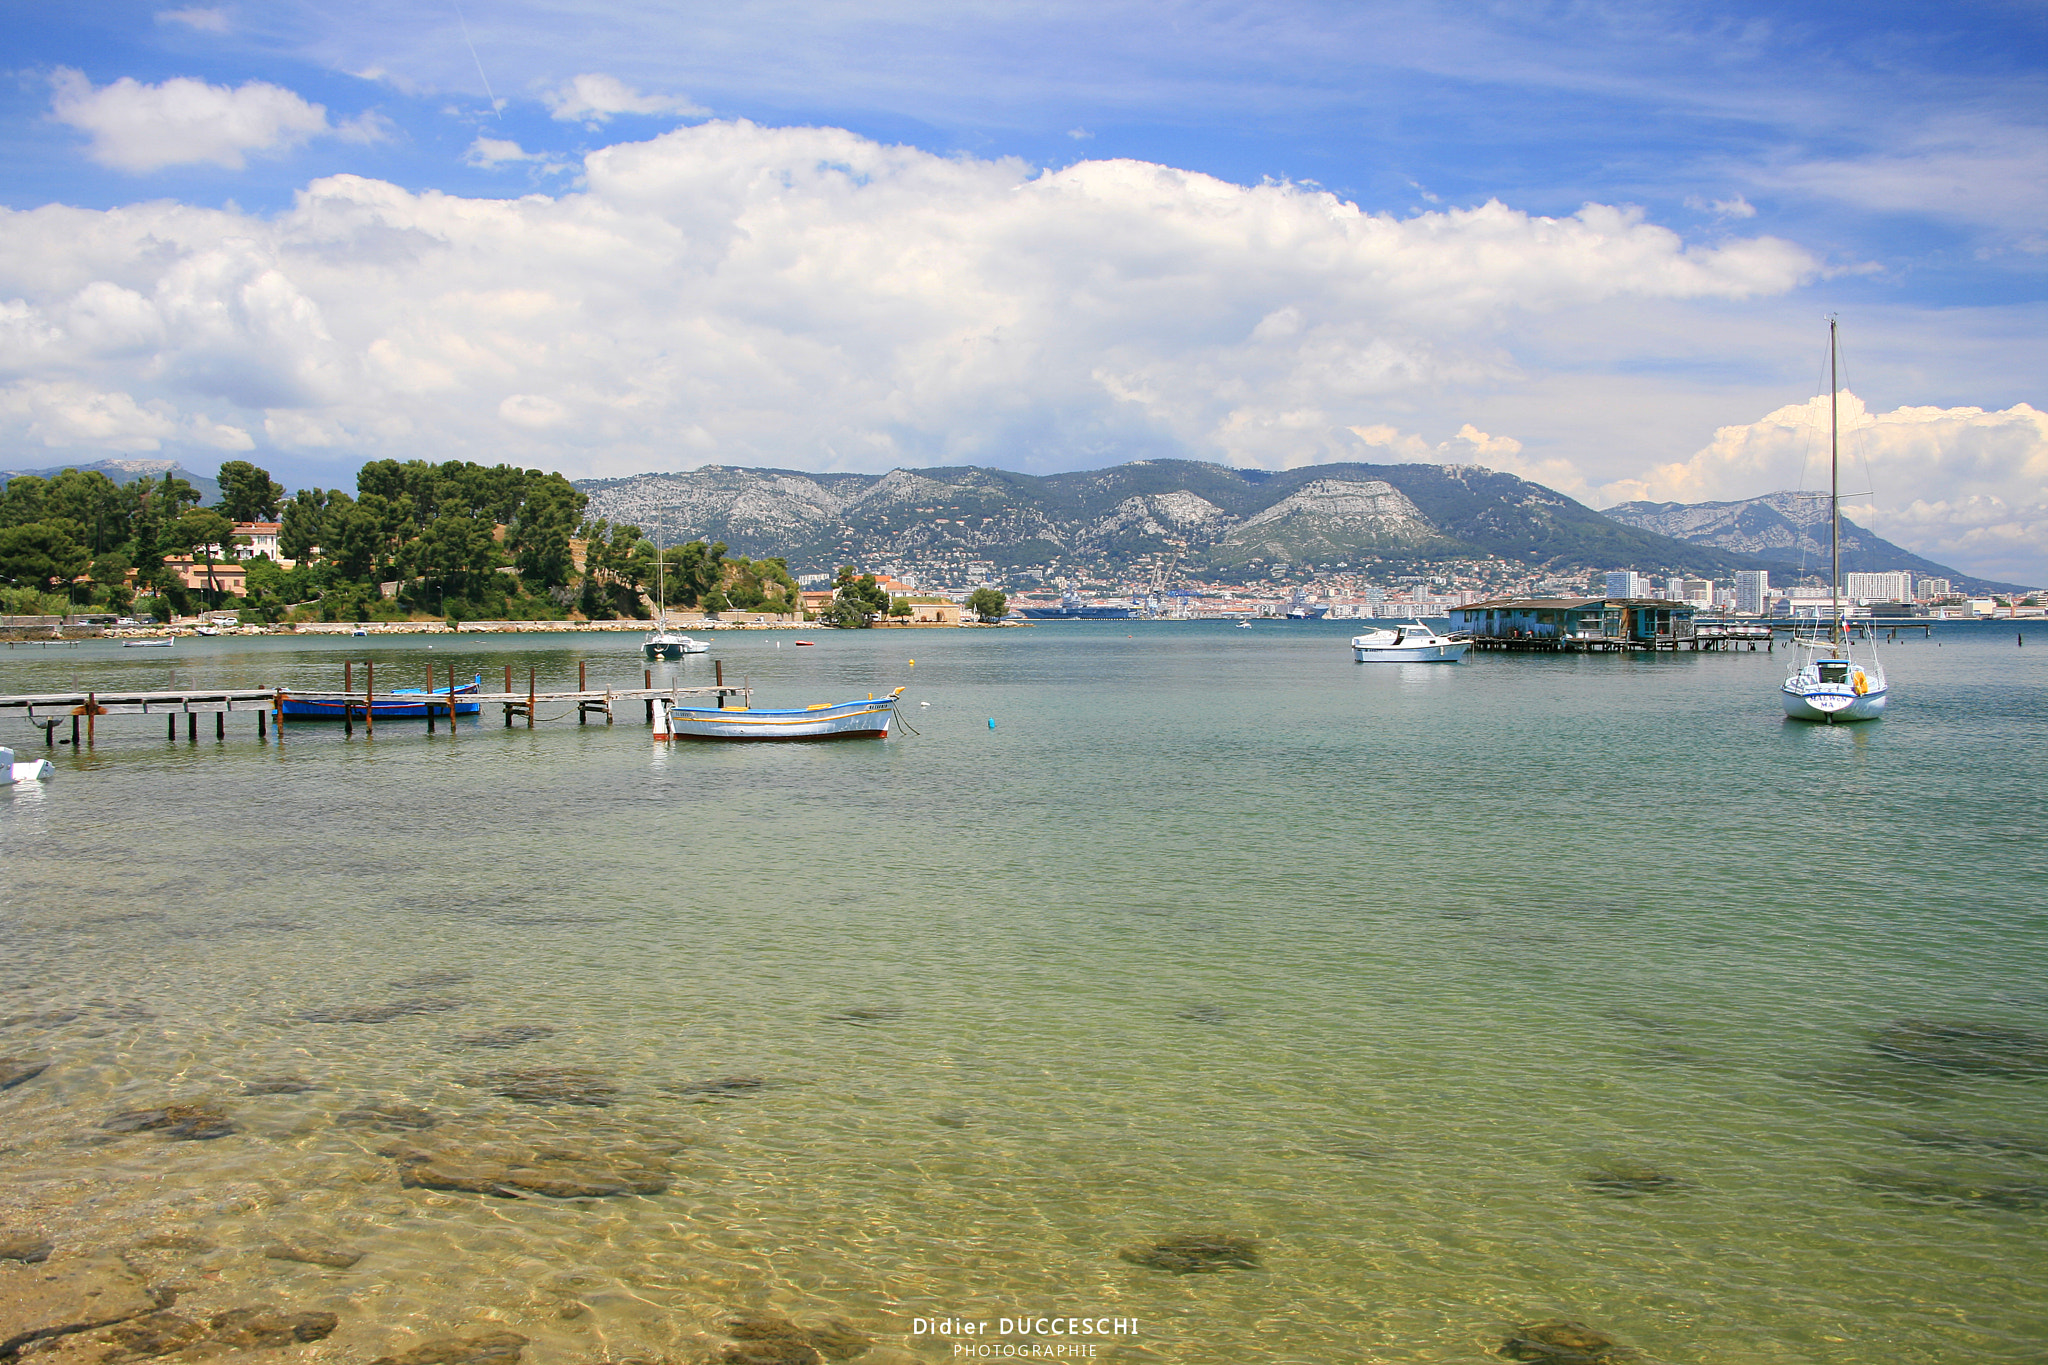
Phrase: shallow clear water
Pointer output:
(1479, 995)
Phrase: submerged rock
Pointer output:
(550, 1085)
(439, 978)
(378, 1014)
(278, 1085)
(2004, 1144)
(334, 1258)
(185, 1122)
(509, 1169)
(952, 1118)
(39, 1019)
(511, 1035)
(237, 1329)
(389, 1116)
(1965, 1047)
(41, 1301)
(488, 1348)
(726, 1087)
(865, 1014)
(1203, 1014)
(2013, 1196)
(15, 1070)
(1630, 1180)
(1197, 1253)
(766, 1339)
(26, 1247)
(1566, 1343)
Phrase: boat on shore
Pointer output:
(868, 718)
(404, 703)
(1409, 643)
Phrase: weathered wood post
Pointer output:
(348, 708)
(647, 681)
(92, 711)
(718, 676)
(191, 727)
(74, 730)
(369, 699)
(430, 699)
(220, 723)
(173, 735)
(582, 685)
(531, 693)
(262, 726)
(508, 694)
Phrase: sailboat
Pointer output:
(1832, 685)
(664, 643)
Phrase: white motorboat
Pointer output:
(36, 770)
(1412, 642)
(1832, 686)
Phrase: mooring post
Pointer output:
(582, 686)
(262, 726)
(369, 699)
(92, 711)
(430, 699)
(220, 724)
(530, 696)
(191, 727)
(348, 708)
(647, 681)
(718, 676)
(173, 735)
(74, 731)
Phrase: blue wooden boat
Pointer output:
(865, 719)
(404, 703)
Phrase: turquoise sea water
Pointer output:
(1479, 995)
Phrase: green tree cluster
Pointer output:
(856, 601)
(988, 604)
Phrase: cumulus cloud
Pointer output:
(489, 153)
(68, 415)
(137, 127)
(206, 20)
(1960, 485)
(807, 297)
(593, 99)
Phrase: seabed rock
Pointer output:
(489, 1348)
(389, 1116)
(42, 1301)
(278, 1085)
(550, 1085)
(865, 1014)
(1566, 1343)
(26, 1247)
(1965, 1047)
(185, 1122)
(431, 980)
(724, 1088)
(2013, 1196)
(15, 1070)
(166, 1333)
(1203, 1014)
(511, 1035)
(40, 1019)
(378, 1014)
(1197, 1253)
(766, 1339)
(1630, 1180)
(510, 1169)
(334, 1258)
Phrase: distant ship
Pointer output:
(1072, 608)
(1299, 608)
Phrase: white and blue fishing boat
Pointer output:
(868, 718)
(404, 703)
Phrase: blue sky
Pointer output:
(1750, 168)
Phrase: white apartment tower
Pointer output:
(1878, 587)
(1627, 583)
(1753, 591)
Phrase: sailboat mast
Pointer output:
(1835, 482)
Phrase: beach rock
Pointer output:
(488, 1348)
(726, 1087)
(39, 1019)
(278, 1085)
(41, 1301)
(25, 1247)
(378, 1014)
(15, 1070)
(434, 979)
(952, 1118)
(174, 1241)
(1203, 1014)
(185, 1122)
(334, 1258)
(550, 1085)
(389, 1116)
(1965, 1047)
(511, 1035)
(1565, 1343)
(866, 1014)
(153, 1334)
(1197, 1253)
(265, 1329)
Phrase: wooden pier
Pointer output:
(49, 711)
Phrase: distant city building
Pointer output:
(1698, 591)
(1878, 587)
(1932, 589)
(1753, 591)
(1627, 583)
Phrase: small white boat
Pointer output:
(867, 719)
(36, 770)
(666, 644)
(163, 642)
(1409, 643)
(1244, 625)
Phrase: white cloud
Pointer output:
(137, 127)
(807, 297)
(1959, 485)
(72, 416)
(489, 153)
(1738, 207)
(204, 19)
(593, 99)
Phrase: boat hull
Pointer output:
(868, 719)
(386, 707)
(673, 647)
(1442, 652)
(1831, 704)
(1079, 613)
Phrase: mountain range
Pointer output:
(1207, 518)
(1789, 531)
(125, 471)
